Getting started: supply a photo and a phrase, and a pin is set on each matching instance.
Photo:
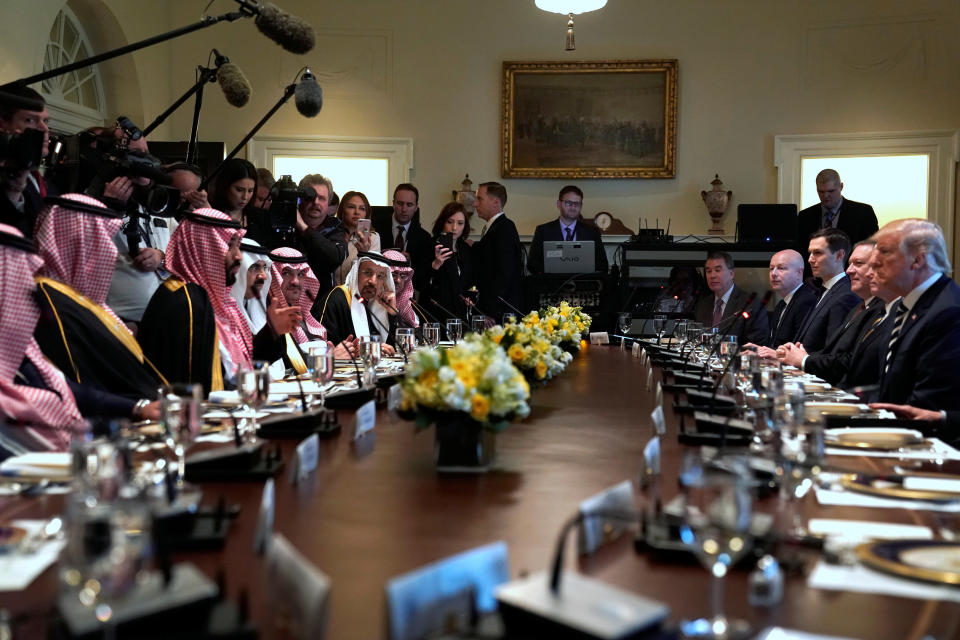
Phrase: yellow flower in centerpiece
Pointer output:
(497, 337)
(428, 378)
(541, 369)
(515, 352)
(479, 407)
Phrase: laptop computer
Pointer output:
(569, 256)
(767, 223)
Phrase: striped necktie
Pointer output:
(895, 334)
(569, 233)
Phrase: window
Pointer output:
(896, 186)
(922, 164)
(75, 100)
(371, 165)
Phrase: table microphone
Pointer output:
(557, 564)
(723, 372)
(519, 313)
(396, 314)
(447, 311)
(427, 317)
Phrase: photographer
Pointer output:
(23, 185)
(320, 236)
(143, 239)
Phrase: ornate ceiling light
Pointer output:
(569, 8)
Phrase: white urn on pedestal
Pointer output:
(716, 201)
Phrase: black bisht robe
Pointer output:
(335, 316)
(88, 346)
(178, 334)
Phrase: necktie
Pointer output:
(569, 233)
(828, 219)
(895, 334)
(718, 312)
(778, 312)
(398, 241)
(483, 231)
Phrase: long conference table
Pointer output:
(365, 516)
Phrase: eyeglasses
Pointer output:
(572, 203)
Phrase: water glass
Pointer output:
(509, 318)
(659, 325)
(405, 341)
(254, 387)
(454, 329)
(728, 347)
(431, 333)
(180, 419)
(321, 368)
(478, 323)
(370, 350)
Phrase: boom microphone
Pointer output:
(235, 87)
(290, 32)
(308, 96)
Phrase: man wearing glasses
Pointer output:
(569, 226)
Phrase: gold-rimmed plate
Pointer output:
(11, 537)
(873, 438)
(927, 560)
(892, 487)
(815, 409)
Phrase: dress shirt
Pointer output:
(571, 226)
(490, 223)
(787, 298)
(910, 300)
(725, 297)
(406, 232)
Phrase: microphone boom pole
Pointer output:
(207, 74)
(287, 94)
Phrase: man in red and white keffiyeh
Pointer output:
(77, 247)
(403, 281)
(198, 253)
(50, 412)
(294, 281)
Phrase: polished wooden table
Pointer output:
(365, 516)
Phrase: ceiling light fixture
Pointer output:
(569, 8)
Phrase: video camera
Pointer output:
(89, 160)
(285, 195)
(21, 151)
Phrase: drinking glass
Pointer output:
(321, 369)
(771, 377)
(431, 333)
(454, 329)
(681, 331)
(728, 347)
(478, 323)
(509, 318)
(404, 341)
(716, 527)
(370, 349)
(254, 386)
(180, 411)
(659, 325)
(749, 364)
(799, 463)
(707, 338)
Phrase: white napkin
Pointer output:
(923, 483)
(939, 450)
(779, 633)
(854, 499)
(18, 570)
(48, 464)
(861, 579)
(857, 531)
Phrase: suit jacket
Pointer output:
(802, 301)
(856, 219)
(498, 269)
(833, 362)
(864, 367)
(827, 316)
(420, 246)
(922, 370)
(753, 329)
(552, 232)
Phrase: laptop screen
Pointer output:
(569, 256)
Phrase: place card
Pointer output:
(658, 396)
(599, 337)
(365, 419)
(394, 398)
(264, 529)
(635, 349)
(650, 379)
(299, 592)
(305, 458)
(659, 421)
(596, 529)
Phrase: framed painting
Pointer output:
(603, 119)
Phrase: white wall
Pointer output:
(430, 70)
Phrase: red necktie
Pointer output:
(398, 241)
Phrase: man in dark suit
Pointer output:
(497, 255)
(828, 249)
(24, 189)
(786, 279)
(569, 226)
(403, 233)
(923, 340)
(856, 219)
(726, 306)
(834, 361)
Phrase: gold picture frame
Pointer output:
(600, 119)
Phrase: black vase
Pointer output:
(462, 445)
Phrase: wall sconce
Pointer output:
(569, 8)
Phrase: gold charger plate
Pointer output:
(875, 439)
(893, 488)
(11, 537)
(927, 560)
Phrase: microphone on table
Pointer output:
(447, 311)
(396, 314)
(427, 317)
(557, 564)
(308, 96)
(519, 313)
(290, 32)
